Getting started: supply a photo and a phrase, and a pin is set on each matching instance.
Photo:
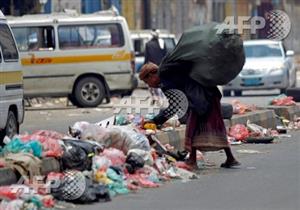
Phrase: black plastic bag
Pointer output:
(78, 155)
(134, 162)
(94, 193)
(206, 56)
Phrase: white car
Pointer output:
(268, 66)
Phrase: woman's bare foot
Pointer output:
(192, 165)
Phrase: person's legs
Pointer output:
(230, 161)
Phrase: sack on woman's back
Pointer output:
(208, 57)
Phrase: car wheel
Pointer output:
(294, 92)
(11, 128)
(89, 92)
(238, 93)
(226, 93)
(73, 100)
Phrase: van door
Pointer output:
(37, 47)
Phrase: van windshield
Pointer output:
(90, 36)
(7, 44)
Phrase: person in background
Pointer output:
(205, 129)
(155, 49)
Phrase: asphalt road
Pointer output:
(268, 180)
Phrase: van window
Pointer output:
(169, 43)
(139, 47)
(34, 38)
(8, 47)
(90, 36)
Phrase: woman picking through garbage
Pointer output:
(205, 127)
(203, 58)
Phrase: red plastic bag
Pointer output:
(239, 132)
(283, 101)
(116, 156)
(49, 141)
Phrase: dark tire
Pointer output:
(73, 100)
(227, 110)
(294, 92)
(238, 93)
(89, 92)
(226, 93)
(283, 91)
(11, 128)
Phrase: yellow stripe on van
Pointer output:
(11, 77)
(119, 56)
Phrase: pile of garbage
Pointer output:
(283, 100)
(97, 162)
(240, 133)
(241, 108)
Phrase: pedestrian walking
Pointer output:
(205, 129)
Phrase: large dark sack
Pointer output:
(207, 57)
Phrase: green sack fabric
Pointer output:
(207, 57)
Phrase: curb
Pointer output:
(176, 138)
(8, 176)
(265, 118)
(287, 112)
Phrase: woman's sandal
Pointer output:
(230, 164)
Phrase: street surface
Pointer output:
(269, 179)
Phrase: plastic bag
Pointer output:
(126, 138)
(95, 133)
(256, 130)
(16, 146)
(146, 155)
(118, 185)
(239, 132)
(208, 57)
(116, 156)
(78, 155)
(50, 142)
(121, 120)
(134, 162)
(101, 163)
(283, 100)
(11, 205)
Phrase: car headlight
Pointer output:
(276, 72)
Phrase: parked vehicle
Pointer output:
(268, 66)
(11, 83)
(84, 57)
(140, 38)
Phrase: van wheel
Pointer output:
(11, 128)
(89, 92)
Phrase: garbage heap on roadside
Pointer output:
(96, 164)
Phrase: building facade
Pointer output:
(174, 15)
